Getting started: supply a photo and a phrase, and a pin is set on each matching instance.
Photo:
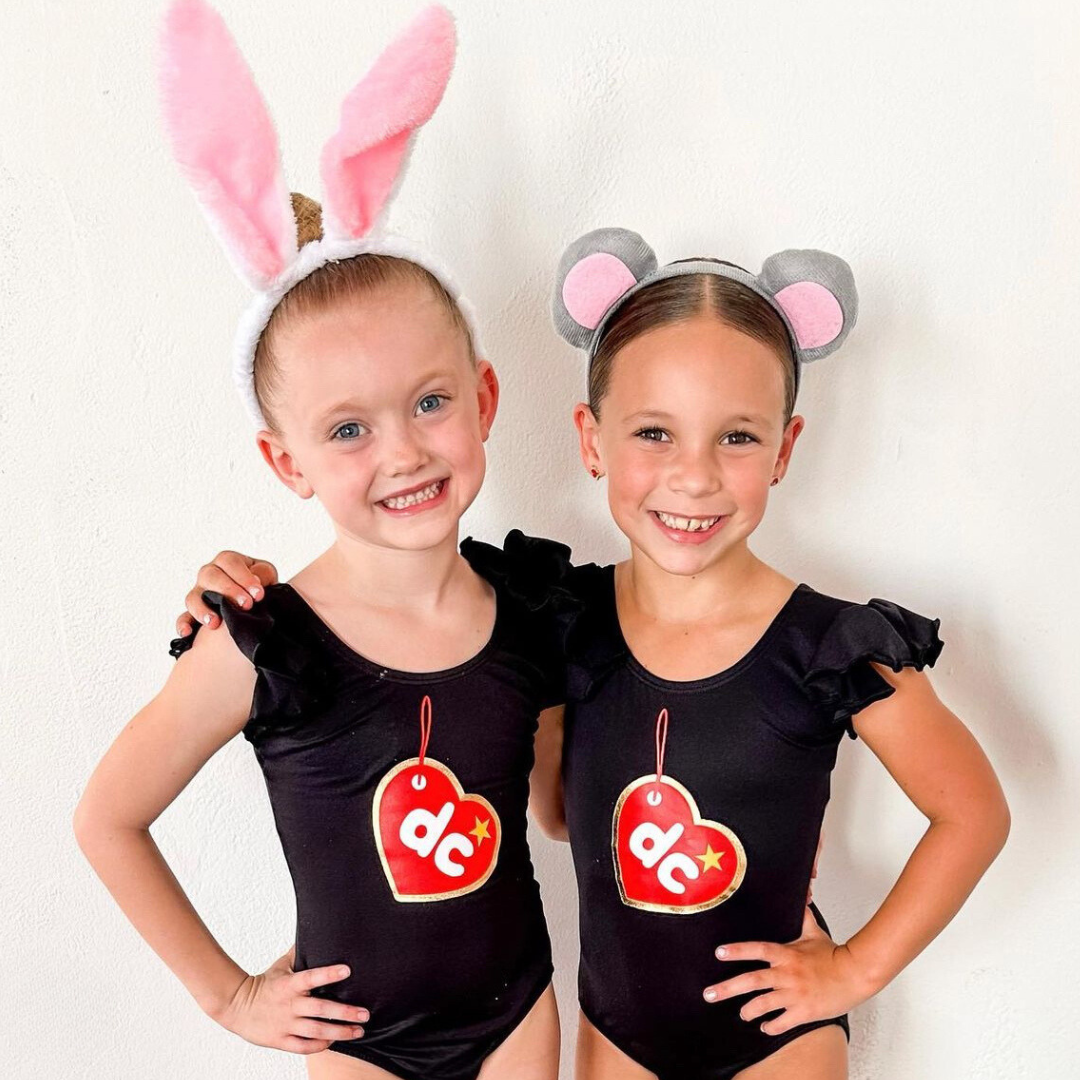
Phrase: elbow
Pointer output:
(84, 825)
(553, 826)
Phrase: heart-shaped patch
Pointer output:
(667, 857)
(435, 842)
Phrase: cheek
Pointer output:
(632, 473)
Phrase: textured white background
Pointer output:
(932, 143)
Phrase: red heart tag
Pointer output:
(435, 842)
(667, 856)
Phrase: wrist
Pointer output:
(216, 997)
(870, 974)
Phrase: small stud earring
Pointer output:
(774, 481)
(595, 474)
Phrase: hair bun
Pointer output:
(308, 214)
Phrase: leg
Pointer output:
(598, 1058)
(330, 1065)
(531, 1050)
(820, 1054)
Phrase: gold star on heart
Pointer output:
(481, 831)
(710, 860)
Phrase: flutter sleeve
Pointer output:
(841, 681)
(291, 682)
(537, 575)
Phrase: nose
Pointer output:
(695, 472)
(403, 450)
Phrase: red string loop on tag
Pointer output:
(425, 726)
(661, 742)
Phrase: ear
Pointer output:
(588, 438)
(594, 273)
(380, 117)
(225, 142)
(816, 291)
(487, 391)
(284, 466)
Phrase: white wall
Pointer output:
(932, 143)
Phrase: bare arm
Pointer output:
(938, 763)
(545, 781)
(943, 770)
(204, 703)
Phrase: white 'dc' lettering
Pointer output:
(421, 830)
(659, 842)
(651, 844)
(676, 861)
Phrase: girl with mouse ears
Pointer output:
(391, 689)
(707, 693)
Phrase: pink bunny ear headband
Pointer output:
(225, 142)
(813, 292)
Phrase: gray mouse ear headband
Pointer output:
(812, 291)
(224, 141)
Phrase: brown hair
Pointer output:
(676, 299)
(336, 282)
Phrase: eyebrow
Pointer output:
(343, 408)
(655, 414)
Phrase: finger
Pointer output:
(185, 625)
(784, 1022)
(323, 1009)
(323, 976)
(741, 984)
(213, 577)
(198, 609)
(296, 1045)
(762, 1004)
(265, 572)
(769, 951)
(315, 1029)
(241, 574)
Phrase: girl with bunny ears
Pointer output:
(391, 689)
(707, 693)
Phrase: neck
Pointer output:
(664, 597)
(393, 578)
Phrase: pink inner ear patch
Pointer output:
(814, 313)
(593, 285)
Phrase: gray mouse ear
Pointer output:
(816, 291)
(594, 273)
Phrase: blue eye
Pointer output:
(430, 403)
(652, 434)
(342, 433)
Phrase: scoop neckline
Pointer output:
(389, 674)
(707, 682)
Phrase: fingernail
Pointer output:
(206, 619)
(710, 995)
(721, 952)
(363, 1014)
(256, 591)
(242, 600)
(184, 631)
(343, 972)
(359, 1033)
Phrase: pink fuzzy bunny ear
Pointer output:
(361, 164)
(225, 142)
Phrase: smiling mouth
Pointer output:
(687, 524)
(414, 498)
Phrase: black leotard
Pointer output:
(753, 747)
(436, 912)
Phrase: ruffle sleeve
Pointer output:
(292, 679)
(537, 574)
(840, 680)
